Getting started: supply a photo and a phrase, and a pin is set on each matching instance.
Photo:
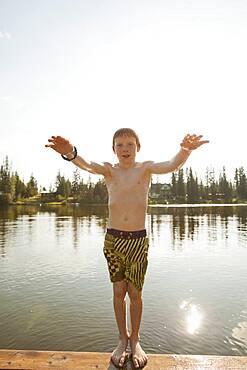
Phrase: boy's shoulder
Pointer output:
(144, 164)
(147, 163)
(107, 164)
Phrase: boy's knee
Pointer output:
(134, 293)
(119, 290)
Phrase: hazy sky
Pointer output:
(83, 69)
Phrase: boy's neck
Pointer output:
(126, 166)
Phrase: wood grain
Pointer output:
(43, 360)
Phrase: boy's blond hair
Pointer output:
(126, 132)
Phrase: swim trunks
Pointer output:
(126, 254)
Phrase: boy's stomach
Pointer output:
(127, 216)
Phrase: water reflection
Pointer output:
(62, 217)
(13, 212)
(188, 222)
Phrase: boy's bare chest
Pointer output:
(128, 180)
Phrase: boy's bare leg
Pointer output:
(138, 355)
(119, 291)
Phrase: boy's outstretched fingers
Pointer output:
(192, 142)
(59, 144)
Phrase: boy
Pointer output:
(126, 244)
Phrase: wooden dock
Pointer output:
(44, 360)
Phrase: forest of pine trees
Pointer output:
(185, 187)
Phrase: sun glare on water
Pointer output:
(193, 316)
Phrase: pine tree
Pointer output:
(6, 185)
(180, 187)
(60, 185)
(31, 187)
(20, 187)
(75, 186)
(5, 182)
(225, 189)
(192, 187)
(212, 184)
(241, 183)
(174, 186)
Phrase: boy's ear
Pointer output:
(138, 147)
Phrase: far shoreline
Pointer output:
(158, 205)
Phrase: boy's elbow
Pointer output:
(173, 166)
(177, 167)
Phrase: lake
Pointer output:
(55, 292)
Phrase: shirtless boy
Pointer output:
(126, 243)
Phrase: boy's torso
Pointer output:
(128, 196)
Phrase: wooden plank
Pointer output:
(43, 360)
(11, 359)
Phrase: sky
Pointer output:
(84, 68)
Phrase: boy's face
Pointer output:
(125, 148)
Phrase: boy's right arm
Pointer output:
(64, 147)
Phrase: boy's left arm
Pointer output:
(189, 143)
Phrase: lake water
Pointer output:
(55, 293)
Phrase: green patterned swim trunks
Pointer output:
(126, 254)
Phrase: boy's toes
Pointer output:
(118, 362)
(136, 363)
(122, 361)
(143, 361)
(139, 362)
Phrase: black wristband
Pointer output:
(71, 159)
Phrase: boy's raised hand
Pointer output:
(60, 145)
(192, 142)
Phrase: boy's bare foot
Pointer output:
(119, 355)
(139, 357)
